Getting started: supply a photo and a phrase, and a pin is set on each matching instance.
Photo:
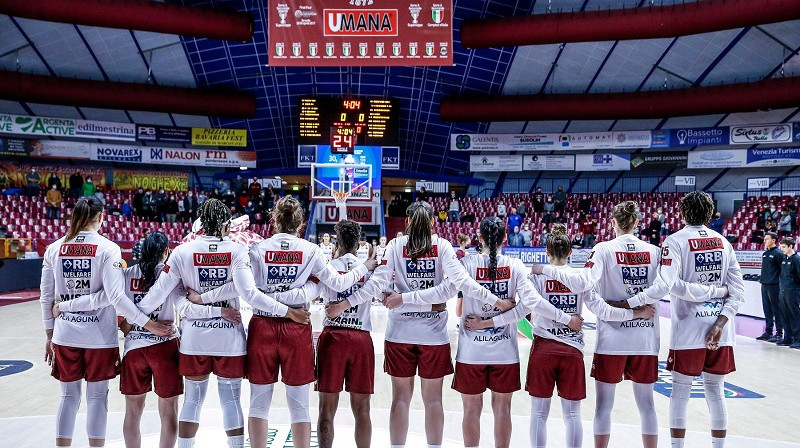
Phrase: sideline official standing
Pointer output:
(770, 288)
(790, 292)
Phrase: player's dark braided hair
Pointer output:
(419, 233)
(153, 248)
(697, 208)
(347, 235)
(214, 215)
(625, 214)
(558, 244)
(493, 232)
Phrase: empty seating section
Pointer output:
(602, 206)
(27, 218)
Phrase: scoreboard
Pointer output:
(345, 123)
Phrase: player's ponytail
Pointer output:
(83, 215)
(558, 244)
(214, 215)
(493, 232)
(418, 230)
(625, 214)
(152, 250)
(288, 215)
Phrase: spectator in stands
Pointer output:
(526, 234)
(171, 209)
(514, 220)
(238, 185)
(53, 200)
(560, 199)
(538, 201)
(463, 246)
(190, 205)
(53, 180)
(4, 181)
(161, 203)
(182, 216)
(717, 223)
(654, 230)
(544, 236)
(548, 218)
(785, 224)
(663, 218)
(242, 198)
(127, 210)
(222, 185)
(269, 197)
(89, 188)
(33, 179)
(454, 211)
(201, 197)
(757, 237)
(254, 188)
(549, 205)
(585, 204)
(136, 252)
(577, 242)
(76, 184)
(250, 211)
(229, 198)
(442, 215)
(770, 226)
(148, 205)
(761, 218)
(522, 211)
(515, 239)
(398, 235)
(422, 194)
(98, 194)
(588, 228)
(793, 214)
(501, 210)
(772, 213)
(137, 202)
(560, 218)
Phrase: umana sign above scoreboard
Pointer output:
(360, 32)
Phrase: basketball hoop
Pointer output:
(341, 202)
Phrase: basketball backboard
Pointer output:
(354, 179)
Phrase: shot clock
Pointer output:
(345, 123)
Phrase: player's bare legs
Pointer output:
(402, 390)
(471, 422)
(501, 408)
(434, 412)
(328, 403)
(361, 406)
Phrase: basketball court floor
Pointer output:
(762, 398)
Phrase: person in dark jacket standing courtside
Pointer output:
(790, 293)
(770, 288)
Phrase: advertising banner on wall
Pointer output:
(390, 157)
(632, 139)
(696, 137)
(153, 180)
(744, 158)
(336, 33)
(66, 127)
(756, 135)
(545, 162)
(19, 147)
(163, 134)
(758, 183)
(16, 172)
(489, 163)
(602, 162)
(675, 160)
(219, 137)
(685, 181)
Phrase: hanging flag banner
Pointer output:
(744, 158)
(337, 33)
(66, 127)
(756, 135)
(495, 163)
(151, 180)
(602, 162)
(219, 137)
(546, 162)
(163, 134)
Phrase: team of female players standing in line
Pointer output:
(203, 281)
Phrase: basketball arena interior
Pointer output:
(413, 149)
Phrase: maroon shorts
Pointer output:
(472, 379)
(403, 360)
(615, 368)
(276, 343)
(345, 356)
(155, 364)
(693, 362)
(93, 364)
(200, 365)
(552, 364)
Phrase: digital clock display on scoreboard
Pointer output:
(372, 121)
